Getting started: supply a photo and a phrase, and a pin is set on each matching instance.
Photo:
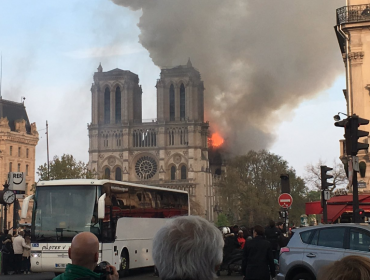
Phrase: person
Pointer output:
(241, 239)
(187, 247)
(272, 235)
(7, 251)
(19, 244)
(84, 253)
(26, 255)
(258, 262)
(351, 267)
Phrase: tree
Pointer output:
(222, 220)
(312, 177)
(66, 167)
(249, 189)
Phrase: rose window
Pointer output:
(146, 167)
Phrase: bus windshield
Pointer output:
(60, 212)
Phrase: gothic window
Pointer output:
(183, 172)
(11, 151)
(27, 170)
(107, 105)
(146, 167)
(118, 105)
(19, 167)
(19, 151)
(27, 153)
(118, 174)
(172, 103)
(173, 173)
(182, 102)
(173, 138)
(107, 173)
(10, 166)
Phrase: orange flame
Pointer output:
(216, 139)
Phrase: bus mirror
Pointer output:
(25, 204)
(101, 207)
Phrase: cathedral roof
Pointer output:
(14, 111)
(115, 73)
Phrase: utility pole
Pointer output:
(47, 148)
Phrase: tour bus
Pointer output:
(124, 217)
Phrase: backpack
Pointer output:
(7, 248)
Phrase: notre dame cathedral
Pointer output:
(171, 151)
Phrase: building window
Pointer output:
(182, 102)
(173, 173)
(19, 151)
(27, 153)
(11, 150)
(118, 174)
(10, 166)
(19, 167)
(107, 105)
(107, 173)
(118, 105)
(27, 170)
(172, 103)
(183, 172)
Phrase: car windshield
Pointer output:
(60, 212)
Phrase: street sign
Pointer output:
(327, 195)
(285, 200)
(17, 181)
(361, 184)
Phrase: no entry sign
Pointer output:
(285, 200)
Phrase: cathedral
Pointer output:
(170, 151)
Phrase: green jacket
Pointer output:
(75, 271)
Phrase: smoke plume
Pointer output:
(257, 58)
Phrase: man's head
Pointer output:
(187, 248)
(258, 231)
(84, 250)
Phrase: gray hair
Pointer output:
(187, 247)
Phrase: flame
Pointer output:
(216, 139)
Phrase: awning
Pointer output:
(313, 208)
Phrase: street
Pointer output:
(143, 274)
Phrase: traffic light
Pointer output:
(361, 214)
(346, 124)
(356, 134)
(285, 185)
(324, 177)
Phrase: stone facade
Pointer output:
(18, 140)
(170, 151)
(353, 33)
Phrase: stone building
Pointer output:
(170, 151)
(18, 140)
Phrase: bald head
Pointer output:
(84, 250)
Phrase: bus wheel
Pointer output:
(124, 267)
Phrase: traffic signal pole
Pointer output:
(356, 205)
(15, 212)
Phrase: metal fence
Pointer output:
(353, 14)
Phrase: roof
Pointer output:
(14, 111)
(94, 182)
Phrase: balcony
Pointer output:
(353, 14)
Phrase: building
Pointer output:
(353, 33)
(170, 151)
(18, 140)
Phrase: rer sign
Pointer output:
(285, 200)
(17, 181)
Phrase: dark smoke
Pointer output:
(256, 57)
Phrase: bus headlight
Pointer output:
(36, 255)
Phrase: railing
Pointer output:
(184, 185)
(353, 14)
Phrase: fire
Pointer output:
(216, 139)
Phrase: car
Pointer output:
(311, 248)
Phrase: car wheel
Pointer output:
(124, 266)
(303, 276)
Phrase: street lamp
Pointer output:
(337, 117)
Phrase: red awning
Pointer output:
(335, 211)
(313, 208)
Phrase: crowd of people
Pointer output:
(16, 252)
(187, 248)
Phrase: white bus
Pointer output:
(124, 216)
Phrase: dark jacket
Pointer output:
(273, 234)
(75, 272)
(258, 262)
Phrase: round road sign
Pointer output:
(285, 200)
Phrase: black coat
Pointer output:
(258, 262)
(273, 234)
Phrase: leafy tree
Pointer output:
(65, 167)
(313, 195)
(222, 220)
(250, 188)
(312, 177)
